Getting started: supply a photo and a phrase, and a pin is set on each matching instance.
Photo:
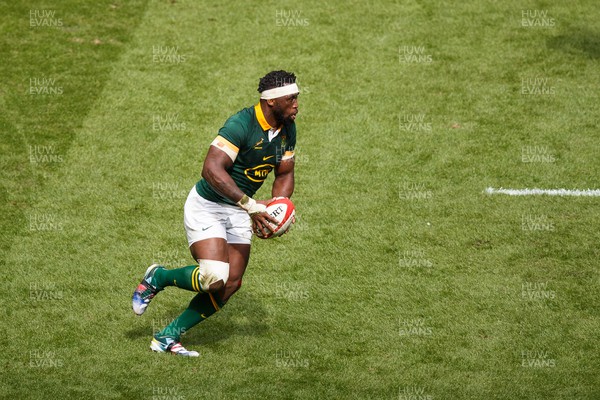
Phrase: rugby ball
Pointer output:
(283, 210)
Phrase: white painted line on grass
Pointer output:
(548, 192)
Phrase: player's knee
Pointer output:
(212, 275)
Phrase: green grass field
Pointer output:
(402, 279)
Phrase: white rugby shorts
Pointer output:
(205, 219)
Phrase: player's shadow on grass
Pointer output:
(577, 42)
(242, 316)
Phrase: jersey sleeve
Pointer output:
(234, 131)
(230, 138)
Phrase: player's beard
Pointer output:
(278, 115)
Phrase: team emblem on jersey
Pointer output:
(258, 145)
(259, 173)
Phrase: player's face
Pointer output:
(286, 108)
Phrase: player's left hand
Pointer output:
(258, 224)
(261, 222)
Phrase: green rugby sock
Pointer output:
(185, 278)
(202, 306)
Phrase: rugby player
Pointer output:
(220, 214)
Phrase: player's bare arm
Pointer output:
(214, 171)
(283, 186)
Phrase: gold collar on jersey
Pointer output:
(261, 118)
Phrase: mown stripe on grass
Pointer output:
(53, 72)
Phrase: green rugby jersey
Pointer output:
(247, 134)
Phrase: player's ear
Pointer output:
(271, 102)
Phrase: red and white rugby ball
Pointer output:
(283, 210)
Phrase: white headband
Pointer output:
(279, 91)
